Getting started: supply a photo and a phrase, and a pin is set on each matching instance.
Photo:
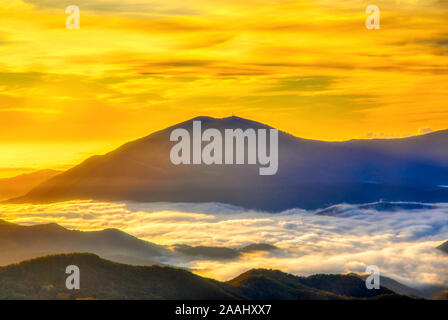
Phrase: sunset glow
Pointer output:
(310, 68)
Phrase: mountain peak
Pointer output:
(49, 227)
(230, 122)
(202, 118)
(155, 282)
(443, 247)
(311, 174)
(5, 223)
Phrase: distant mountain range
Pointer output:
(311, 174)
(44, 278)
(22, 184)
(443, 247)
(18, 243)
(400, 288)
(344, 210)
(262, 284)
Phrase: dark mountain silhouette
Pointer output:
(222, 253)
(215, 253)
(18, 243)
(396, 286)
(44, 278)
(311, 174)
(342, 210)
(264, 284)
(442, 296)
(443, 247)
(256, 247)
(22, 184)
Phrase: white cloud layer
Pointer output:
(400, 242)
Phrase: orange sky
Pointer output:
(310, 68)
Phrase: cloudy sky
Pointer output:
(401, 243)
(310, 68)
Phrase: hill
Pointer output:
(265, 284)
(19, 242)
(396, 286)
(44, 278)
(22, 184)
(443, 247)
(311, 174)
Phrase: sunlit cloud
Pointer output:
(402, 242)
(310, 68)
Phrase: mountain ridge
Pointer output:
(44, 278)
(443, 247)
(23, 183)
(19, 242)
(311, 173)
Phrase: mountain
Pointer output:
(256, 247)
(22, 184)
(344, 210)
(262, 284)
(443, 247)
(396, 286)
(442, 296)
(44, 278)
(311, 174)
(19, 242)
(222, 253)
(213, 253)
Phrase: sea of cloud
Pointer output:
(402, 243)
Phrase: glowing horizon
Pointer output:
(309, 68)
